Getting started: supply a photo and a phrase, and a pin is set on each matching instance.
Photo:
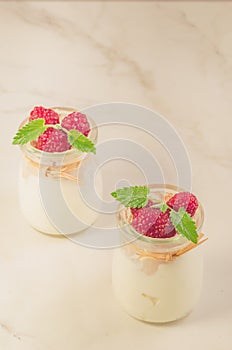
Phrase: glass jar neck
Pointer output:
(131, 236)
(55, 159)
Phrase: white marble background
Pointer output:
(173, 57)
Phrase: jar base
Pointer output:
(57, 234)
(160, 323)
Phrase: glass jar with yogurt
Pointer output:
(157, 280)
(52, 186)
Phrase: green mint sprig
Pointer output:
(33, 129)
(81, 142)
(138, 196)
(133, 197)
(184, 224)
(163, 207)
(30, 132)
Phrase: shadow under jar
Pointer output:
(51, 185)
(157, 280)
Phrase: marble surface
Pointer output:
(172, 57)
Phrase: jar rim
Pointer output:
(71, 154)
(178, 239)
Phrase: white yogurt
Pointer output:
(151, 283)
(155, 291)
(53, 206)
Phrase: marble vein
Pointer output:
(181, 17)
(214, 46)
(70, 30)
(10, 331)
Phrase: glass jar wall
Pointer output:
(157, 280)
(50, 187)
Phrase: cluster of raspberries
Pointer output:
(55, 140)
(152, 222)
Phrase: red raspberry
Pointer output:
(53, 140)
(50, 116)
(135, 211)
(153, 223)
(184, 200)
(77, 121)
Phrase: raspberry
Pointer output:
(184, 200)
(53, 140)
(50, 116)
(77, 121)
(153, 223)
(135, 211)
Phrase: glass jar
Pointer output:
(51, 186)
(157, 280)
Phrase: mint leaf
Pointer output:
(133, 197)
(184, 224)
(163, 207)
(29, 132)
(81, 142)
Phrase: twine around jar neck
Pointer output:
(57, 172)
(166, 256)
